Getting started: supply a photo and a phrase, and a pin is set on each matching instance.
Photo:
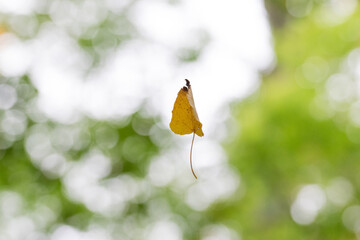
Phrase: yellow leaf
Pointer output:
(184, 116)
(2, 29)
(185, 119)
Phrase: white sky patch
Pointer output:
(219, 183)
(237, 26)
(226, 71)
(18, 6)
(164, 230)
(309, 201)
(57, 73)
(15, 56)
(162, 171)
(163, 23)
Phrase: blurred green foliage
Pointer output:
(281, 145)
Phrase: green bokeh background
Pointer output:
(289, 133)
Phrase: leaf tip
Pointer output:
(187, 83)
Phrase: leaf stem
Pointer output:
(192, 143)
